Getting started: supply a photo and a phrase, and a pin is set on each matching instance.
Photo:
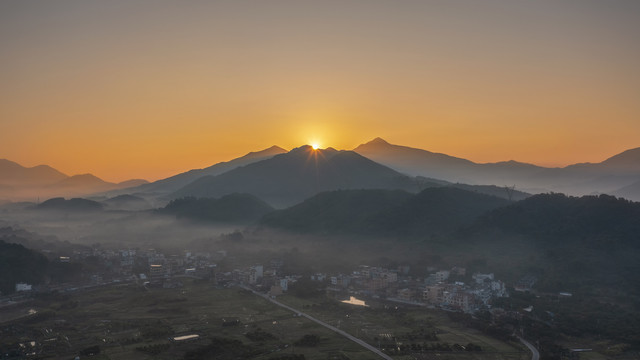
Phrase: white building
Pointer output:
(23, 287)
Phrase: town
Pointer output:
(444, 289)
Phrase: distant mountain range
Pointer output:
(22, 183)
(285, 178)
(610, 176)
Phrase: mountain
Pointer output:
(627, 161)
(14, 174)
(176, 182)
(71, 205)
(418, 162)
(233, 208)
(289, 178)
(578, 179)
(414, 161)
(19, 183)
(433, 211)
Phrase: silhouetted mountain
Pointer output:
(20, 183)
(72, 205)
(176, 182)
(613, 173)
(289, 178)
(233, 208)
(12, 174)
(127, 202)
(418, 162)
(435, 210)
(627, 161)
(413, 161)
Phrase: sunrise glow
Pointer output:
(185, 87)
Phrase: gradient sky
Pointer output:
(146, 89)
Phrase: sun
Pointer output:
(315, 146)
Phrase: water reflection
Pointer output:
(353, 301)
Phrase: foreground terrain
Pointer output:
(130, 321)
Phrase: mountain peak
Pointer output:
(378, 141)
(274, 150)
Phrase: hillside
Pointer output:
(595, 220)
(71, 205)
(287, 179)
(340, 211)
(19, 264)
(233, 208)
(127, 202)
(434, 211)
(570, 243)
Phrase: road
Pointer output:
(535, 354)
(332, 328)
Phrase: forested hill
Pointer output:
(433, 211)
(569, 243)
(233, 208)
(600, 221)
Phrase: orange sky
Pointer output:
(146, 89)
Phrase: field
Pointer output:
(134, 322)
(392, 326)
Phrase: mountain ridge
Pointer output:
(615, 172)
(18, 182)
(289, 178)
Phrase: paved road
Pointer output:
(332, 328)
(535, 354)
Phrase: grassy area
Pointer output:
(132, 322)
(385, 324)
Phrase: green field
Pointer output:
(133, 322)
(388, 326)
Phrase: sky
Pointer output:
(147, 89)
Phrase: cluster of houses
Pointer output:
(441, 288)
(435, 290)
